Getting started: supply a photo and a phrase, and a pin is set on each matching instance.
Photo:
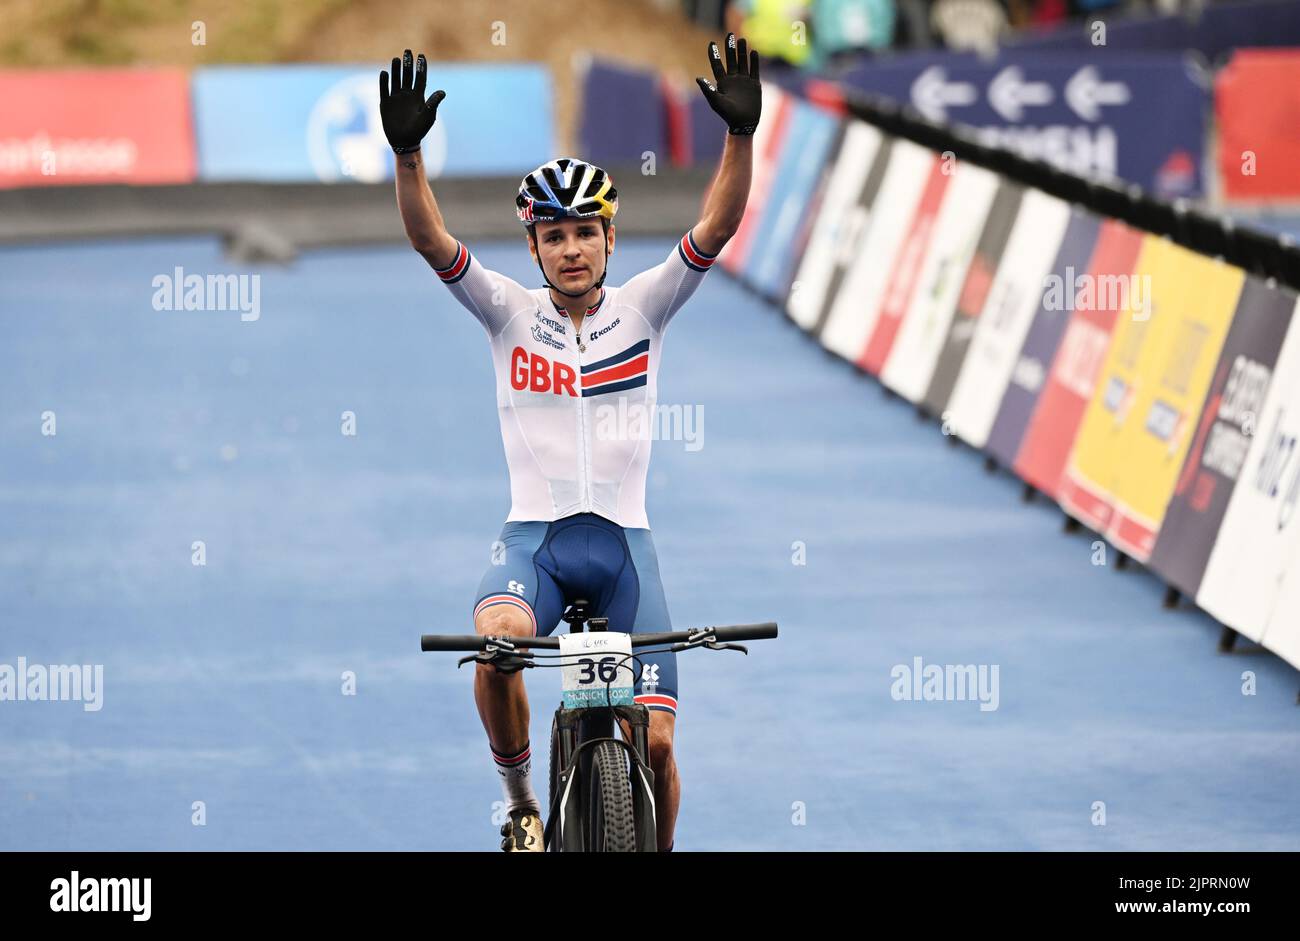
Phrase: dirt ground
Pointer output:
(69, 33)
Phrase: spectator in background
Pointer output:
(851, 26)
(777, 29)
(969, 25)
(808, 34)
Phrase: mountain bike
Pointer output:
(601, 787)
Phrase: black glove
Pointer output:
(406, 115)
(737, 97)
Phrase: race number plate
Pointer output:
(598, 669)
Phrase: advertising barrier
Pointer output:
(856, 303)
(1077, 367)
(1018, 290)
(69, 127)
(769, 142)
(1282, 635)
(1029, 374)
(1114, 369)
(1258, 538)
(1228, 424)
(624, 115)
(974, 291)
(1138, 426)
(906, 267)
(842, 222)
(1257, 104)
(915, 350)
(811, 134)
(1173, 378)
(321, 123)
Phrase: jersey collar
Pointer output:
(590, 310)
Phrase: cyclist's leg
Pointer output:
(657, 687)
(514, 597)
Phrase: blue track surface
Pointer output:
(328, 553)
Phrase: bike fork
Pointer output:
(576, 726)
(643, 777)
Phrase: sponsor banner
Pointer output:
(1029, 373)
(1282, 634)
(1233, 407)
(842, 224)
(1259, 537)
(624, 113)
(836, 196)
(912, 357)
(1087, 489)
(95, 126)
(769, 141)
(1173, 317)
(1258, 112)
(1171, 389)
(708, 133)
(321, 123)
(974, 292)
(814, 215)
(1018, 290)
(857, 301)
(812, 131)
(1137, 118)
(906, 267)
(1076, 368)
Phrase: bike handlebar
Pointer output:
(473, 642)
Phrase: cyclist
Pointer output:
(577, 525)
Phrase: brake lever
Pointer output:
(499, 652)
(705, 638)
(715, 645)
(504, 661)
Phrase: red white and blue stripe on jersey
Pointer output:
(625, 370)
(503, 598)
(456, 270)
(692, 255)
(657, 701)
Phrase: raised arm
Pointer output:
(407, 117)
(737, 97)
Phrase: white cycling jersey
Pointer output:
(577, 410)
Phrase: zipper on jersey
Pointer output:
(585, 462)
(584, 479)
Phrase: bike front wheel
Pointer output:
(611, 827)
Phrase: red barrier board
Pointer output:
(1075, 369)
(1257, 103)
(906, 268)
(95, 126)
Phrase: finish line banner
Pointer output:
(1139, 118)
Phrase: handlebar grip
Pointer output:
(456, 642)
(763, 631)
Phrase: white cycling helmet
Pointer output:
(566, 188)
